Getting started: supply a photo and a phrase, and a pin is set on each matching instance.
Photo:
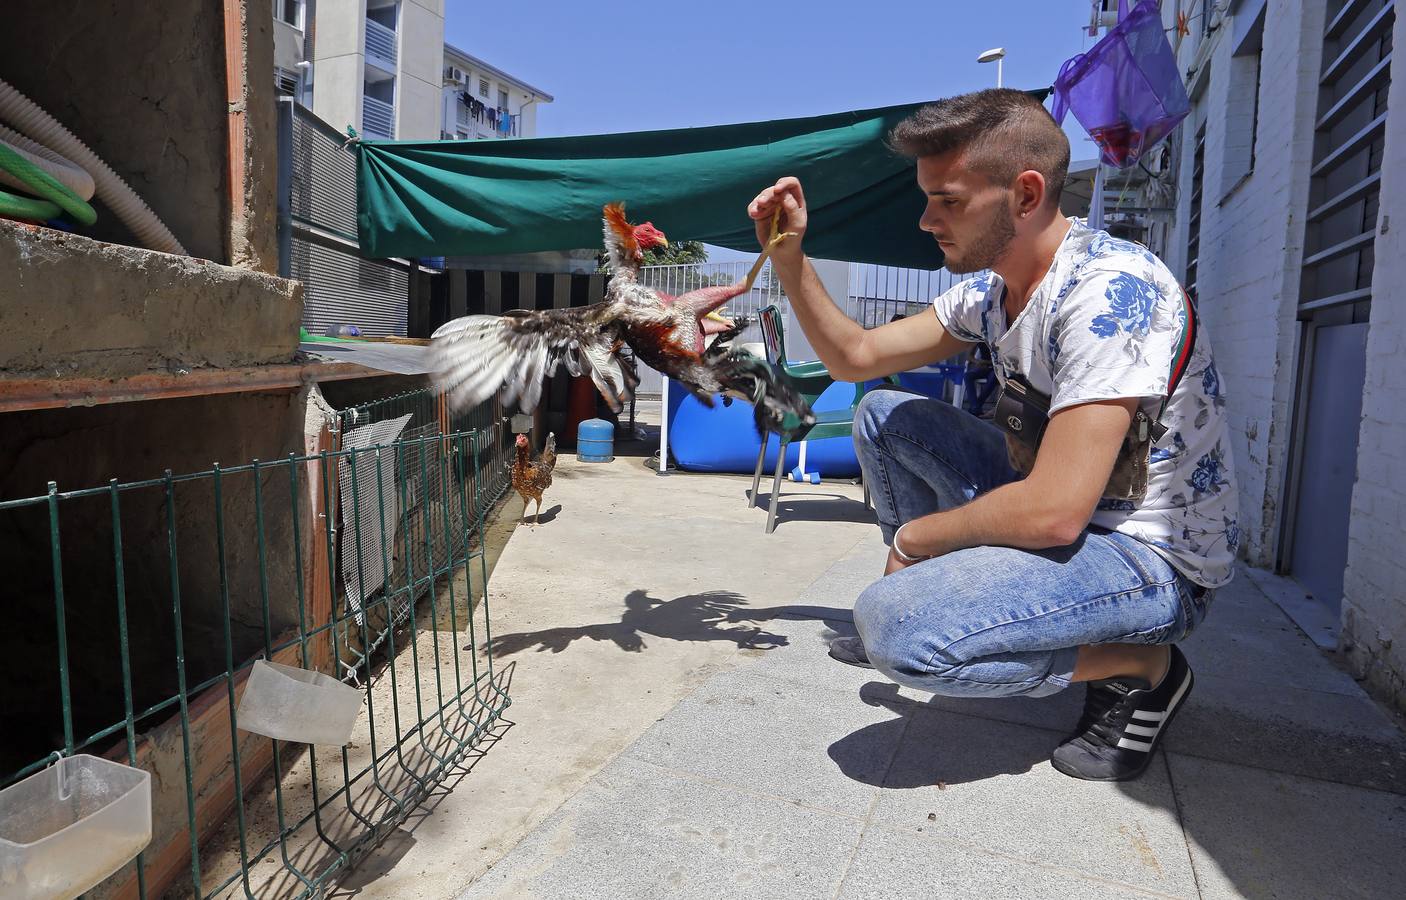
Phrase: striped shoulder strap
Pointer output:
(1181, 359)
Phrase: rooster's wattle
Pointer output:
(478, 356)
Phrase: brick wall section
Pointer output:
(1251, 243)
(1374, 602)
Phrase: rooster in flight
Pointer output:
(477, 356)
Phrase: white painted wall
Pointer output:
(1374, 601)
(420, 68)
(1249, 272)
(1251, 243)
(339, 57)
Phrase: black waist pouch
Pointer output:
(1023, 413)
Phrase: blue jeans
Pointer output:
(994, 621)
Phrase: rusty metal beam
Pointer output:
(57, 393)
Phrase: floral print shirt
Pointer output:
(1104, 323)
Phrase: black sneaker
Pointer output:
(850, 650)
(1123, 721)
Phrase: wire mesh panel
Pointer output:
(403, 478)
(163, 594)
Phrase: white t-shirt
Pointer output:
(1103, 324)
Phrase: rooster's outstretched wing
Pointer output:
(475, 357)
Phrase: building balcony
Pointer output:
(479, 121)
(380, 45)
(377, 119)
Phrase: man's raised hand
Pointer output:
(786, 196)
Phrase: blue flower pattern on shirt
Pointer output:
(1210, 386)
(1162, 454)
(1209, 476)
(1131, 302)
(1104, 245)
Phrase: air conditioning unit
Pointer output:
(455, 74)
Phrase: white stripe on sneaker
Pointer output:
(1150, 731)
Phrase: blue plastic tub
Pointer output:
(724, 438)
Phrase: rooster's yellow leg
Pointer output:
(776, 238)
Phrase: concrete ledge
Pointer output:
(74, 307)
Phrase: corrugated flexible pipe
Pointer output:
(65, 171)
(25, 115)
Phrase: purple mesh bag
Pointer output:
(1126, 90)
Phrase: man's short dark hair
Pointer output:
(1004, 131)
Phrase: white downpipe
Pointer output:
(1096, 201)
(26, 116)
(64, 171)
(664, 429)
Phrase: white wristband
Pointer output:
(899, 550)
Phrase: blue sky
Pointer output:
(614, 66)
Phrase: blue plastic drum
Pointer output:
(595, 441)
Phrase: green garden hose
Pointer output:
(46, 186)
(18, 207)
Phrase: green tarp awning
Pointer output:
(468, 198)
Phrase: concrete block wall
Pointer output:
(1374, 601)
(1251, 241)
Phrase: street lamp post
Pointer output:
(996, 55)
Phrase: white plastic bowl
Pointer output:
(66, 828)
(292, 704)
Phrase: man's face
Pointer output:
(968, 215)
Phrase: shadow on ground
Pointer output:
(815, 507)
(548, 514)
(708, 616)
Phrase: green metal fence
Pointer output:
(424, 414)
(162, 594)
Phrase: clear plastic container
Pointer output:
(293, 704)
(66, 828)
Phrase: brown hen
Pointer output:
(532, 478)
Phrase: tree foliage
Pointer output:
(680, 253)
